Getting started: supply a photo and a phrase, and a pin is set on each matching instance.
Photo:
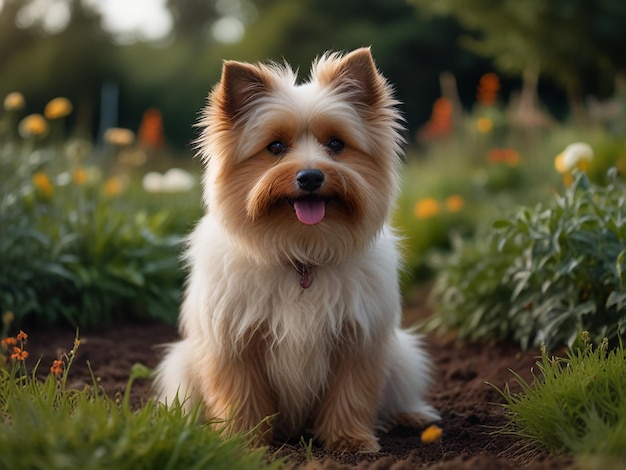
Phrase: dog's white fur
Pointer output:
(333, 356)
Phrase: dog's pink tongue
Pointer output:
(309, 211)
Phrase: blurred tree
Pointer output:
(12, 39)
(192, 18)
(411, 51)
(175, 75)
(570, 41)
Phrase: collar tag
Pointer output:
(306, 278)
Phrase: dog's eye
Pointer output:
(276, 148)
(335, 145)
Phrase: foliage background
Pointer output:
(571, 46)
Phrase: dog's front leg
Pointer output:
(239, 398)
(347, 413)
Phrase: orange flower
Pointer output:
(14, 101)
(150, 132)
(57, 108)
(33, 125)
(484, 125)
(508, 156)
(455, 203)
(584, 165)
(56, 368)
(43, 184)
(431, 434)
(113, 187)
(19, 354)
(21, 336)
(426, 208)
(9, 342)
(441, 120)
(488, 88)
(79, 176)
(442, 108)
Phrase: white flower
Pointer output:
(153, 182)
(174, 180)
(177, 180)
(572, 156)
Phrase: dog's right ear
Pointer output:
(239, 85)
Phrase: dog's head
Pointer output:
(301, 172)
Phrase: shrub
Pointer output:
(84, 244)
(543, 274)
(83, 259)
(114, 262)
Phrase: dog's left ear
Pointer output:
(356, 72)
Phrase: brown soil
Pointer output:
(469, 406)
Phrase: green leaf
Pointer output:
(501, 224)
(620, 264)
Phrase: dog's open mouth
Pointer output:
(310, 210)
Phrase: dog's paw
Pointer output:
(363, 445)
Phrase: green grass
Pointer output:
(575, 404)
(45, 425)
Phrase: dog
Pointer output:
(291, 317)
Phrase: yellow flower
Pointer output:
(484, 125)
(426, 208)
(79, 176)
(113, 186)
(8, 317)
(431, 434)
(455, 203)
(14, 101)
(57, 108)
(43, 184)
(33, 125)
(559, 163)
(119, 136)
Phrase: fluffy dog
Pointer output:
(292, 308)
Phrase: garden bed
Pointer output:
(470, 407)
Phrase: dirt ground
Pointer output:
(469, 406)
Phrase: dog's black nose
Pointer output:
(309, 179)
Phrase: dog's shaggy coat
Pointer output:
(292, 308)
